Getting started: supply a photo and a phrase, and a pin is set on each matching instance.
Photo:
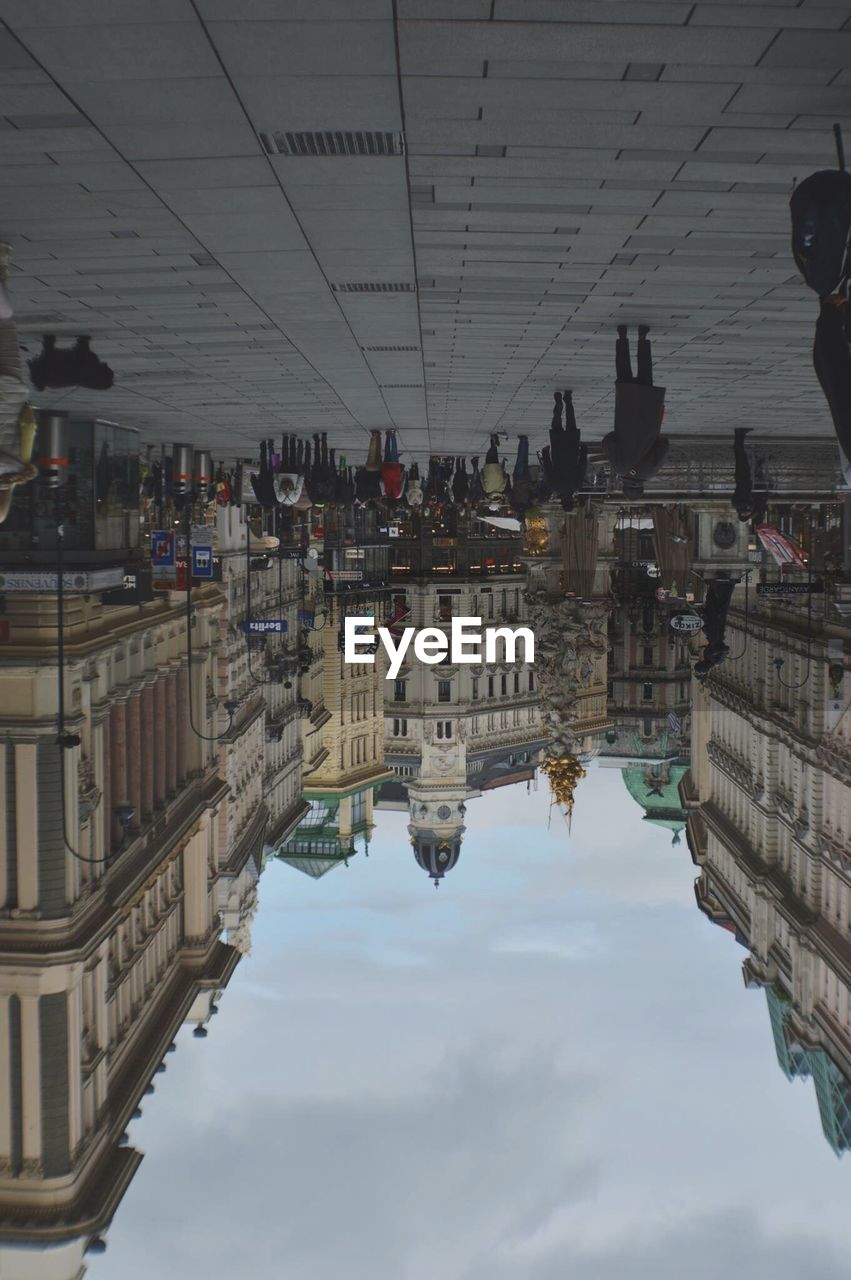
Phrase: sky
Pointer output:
(548, 1068)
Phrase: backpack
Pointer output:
(821, 228)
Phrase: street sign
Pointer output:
(135, 589)
(202, 561)
(162, 549)
(263, 626)
(306, 617)
(80, 580)
(345, 575)
(790, 588)
(686, 622)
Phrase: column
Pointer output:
(26, 805)
(134, 757)
(5, 1083)
(171, 733)
(96, 849)
(196, 914)
(4, 852)
(31, 1082)
(105, 811)
(118, 758)
(148, 750)
(160, 734)
(183, 728)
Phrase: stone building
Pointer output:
(769, 826)
(345, 765)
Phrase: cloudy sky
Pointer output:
(548, 1068)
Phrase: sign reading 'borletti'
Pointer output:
(466, 643)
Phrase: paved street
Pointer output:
(337, 214)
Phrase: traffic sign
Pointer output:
(162, 549)
(264, 626)
(686, 622)
(790, 588)
(202, 562)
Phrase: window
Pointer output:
(647, 727)
(516, 682)
(444, 729)
(647, 692)
(444, 691)
(503, 685)
(444, 608)
(531, 682)
(490, 686)
(400, 691)
(400, 728)
(648, 655)
(475, 694)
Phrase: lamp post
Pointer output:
(780, 662)
(54, 462)
(194, 468)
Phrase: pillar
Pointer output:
(148, 750)
(134, 757)
(184, 675)
(5, 1083)
(196, 913)
(160, 750)
(26, 805)
(118, 758)
(31, 1081)
(171, 732)
(105, 813)
(5, 853)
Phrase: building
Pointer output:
(452, 731)
(345, 765)
(769, 826)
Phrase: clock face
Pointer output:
(444, 812)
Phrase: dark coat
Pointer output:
(639, 410)
(832, 361)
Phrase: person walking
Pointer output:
(832, 363)
(568, 458)
(749, 505)
(460, 482)
(373, 453)
(635, 449)
(494, 476)
(392, 471)
(718, 595)
(17, 425)
(414, 487)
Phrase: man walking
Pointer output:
(635, 450)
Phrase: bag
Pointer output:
(821, 227)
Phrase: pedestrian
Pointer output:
(832, 361)
(460, 482)
(568, 455)
(373, 453)
(635, 449)
(494, 476)
(414, 489)
(717, 603)
(17, 425)
(392, 471)
(289, 478)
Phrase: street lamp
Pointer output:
(191, 467)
